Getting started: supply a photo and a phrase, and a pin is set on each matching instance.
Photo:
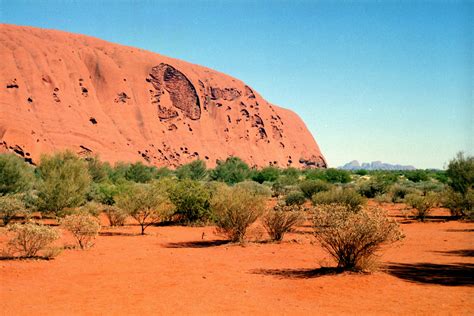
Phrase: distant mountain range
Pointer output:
(374, 165)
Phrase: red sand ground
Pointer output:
(172, 271)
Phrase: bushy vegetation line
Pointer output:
(232, 196)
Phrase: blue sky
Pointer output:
(373, 80)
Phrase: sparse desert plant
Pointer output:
(295, 198)
(84, 227)
(191, 199)
(398, 191)
(235, 209)
(147, 204)
(348, 197)
(115, 215)
(353, 238)
(256, 188)
(64, 182)
(311, 187)
(422, 205)
(30, 238)
(278, 223)
(10, 205)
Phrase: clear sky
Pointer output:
(388, 80)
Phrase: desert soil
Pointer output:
(174, 270)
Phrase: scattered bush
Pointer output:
(195, 170)
(461, 173)
(115, 215)
(84, 227)
(64, 182)
(278, 223)
(267, 174)
(104, 192)
(10, 205)
(347, 197)
(191, 199)
(398, 192)
(147, 204)
(311, 187)
(98, 170)
(255, 188)
(235, 209)
(31, 238)
(460, 206)
(330, 175)
(139, 173)
(422, 205)
(353, 238)
(416, 175)
(295, 198)
(231, 171)
(15, 175)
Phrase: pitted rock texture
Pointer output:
(67, 91)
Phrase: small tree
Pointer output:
(353, 238)
(231, 171)
(235, 209)
(460, 197)
(64, 182)
(256, 188)
(31, 238)
(277, 223)
(84, 227)
(267, 174)
(195, 170)
(147, 204)
(15, 175)
(140, 173)
(191, 199)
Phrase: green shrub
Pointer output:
(235, 209)
(422, 205)
(267, 174)
(353, 238)
(15, 175)
(230, 171)
(255, 188)
(348, 197)
(416, 175)
(115, 215)
(461, 173)
(379, 183)
(139, 173)
(278, 223)
(64, 182)
(191, 199)
(10, 205)
(147, 204)
(329, 175)
(98, 170)
(399, 191)
(31, 238)
(460, 206)
(311, 187)
(295, 198)
(195, 170)
(105, 192)
(84, 227)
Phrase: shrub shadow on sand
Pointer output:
(456, 274)
(298, 273)
(197, 244)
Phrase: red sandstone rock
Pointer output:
(61, 90)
